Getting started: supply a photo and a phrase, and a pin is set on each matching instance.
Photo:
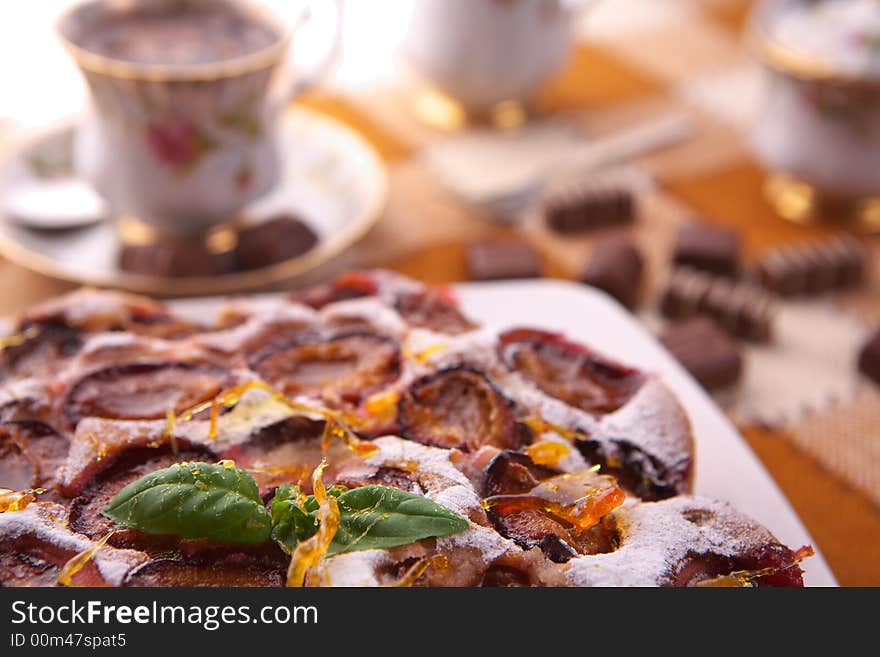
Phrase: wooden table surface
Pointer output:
(844, 524)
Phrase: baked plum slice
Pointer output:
(502, 576)
(638, 472)
(458, 408)
(352, 285)
(43, 348)
(433, 310)
(30, 454)
(232, 570)
(771, 565)
(143, 390)
(210, 563)
(342, 368)
(359, 474)
(36, 544)
(568, 371)
(689, 541)
(163, 326)
(28, 561)
(85, 510)
(284, 452)
(562, 514)
(97, 311)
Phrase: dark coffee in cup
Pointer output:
(178, 34)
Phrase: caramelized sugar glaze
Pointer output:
(572, 469)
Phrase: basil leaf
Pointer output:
(194, 500)
(291, 523)
(371, 517)
(374, 517)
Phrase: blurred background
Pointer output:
(461, 146)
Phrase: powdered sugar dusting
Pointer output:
(371, 311)
(655, 538)
(355, 568)
(487, 542)
(653, 420)
(21, 390)
(399, 453)
(235, 338)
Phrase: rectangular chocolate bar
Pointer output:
(588, 206)
(496, 260)
(813, 268)
(743, 309)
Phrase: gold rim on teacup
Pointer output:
(789, 61)
(205, 72)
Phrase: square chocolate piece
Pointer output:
(869, 358)
(706, 351)
(487, 261)
(709, 248)
(616, 268)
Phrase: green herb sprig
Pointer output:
(221, 502)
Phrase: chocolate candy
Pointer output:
(813, 268)
(712, 249)
(275, 240)
(706, 351)
(499, 260)
(869, 358)
(174, 259)
(267, 243)
(616, 268)
(743, 309)
(588, 205)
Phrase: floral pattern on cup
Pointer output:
(187, 144)
(178, 143)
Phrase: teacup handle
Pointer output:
(322, 69)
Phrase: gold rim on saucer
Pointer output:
(327, 248)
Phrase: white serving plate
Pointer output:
(726, 468)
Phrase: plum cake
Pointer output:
(364, 432)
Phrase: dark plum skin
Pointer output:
(514, 473)
(341, 368)
(568, 371)
(638, 472)
(31, 452)
(458, 407)
(143, 390)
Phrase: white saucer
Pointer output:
(331, 179)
